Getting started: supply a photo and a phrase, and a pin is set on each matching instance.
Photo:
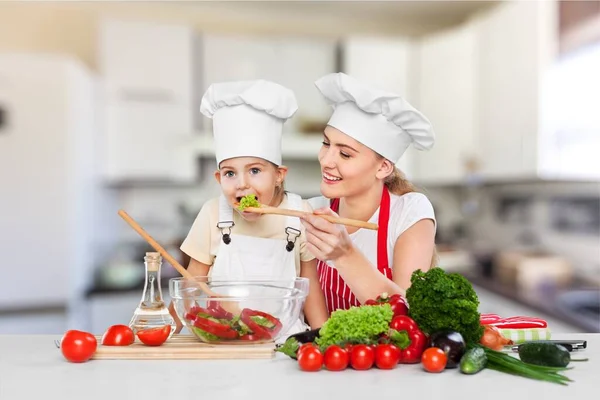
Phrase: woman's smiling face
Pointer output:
(241, 176)
(348, 167)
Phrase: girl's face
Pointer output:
(348, 167)
(241, 176)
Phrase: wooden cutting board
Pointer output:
(184, 347)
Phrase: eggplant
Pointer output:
(451, 343)
(293, 342)
(306, 336)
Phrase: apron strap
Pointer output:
(292, 224)
(225, 219)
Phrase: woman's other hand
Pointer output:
(326, 240)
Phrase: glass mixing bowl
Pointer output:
(249, 311)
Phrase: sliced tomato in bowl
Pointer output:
(154, 336)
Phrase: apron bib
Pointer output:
(242, 257)
(337, 294)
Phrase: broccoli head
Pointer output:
(444, 301)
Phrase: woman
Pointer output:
(366, 135)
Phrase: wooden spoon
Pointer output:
(295, 213)
(229, 306)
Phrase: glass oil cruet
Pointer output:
(152, 311)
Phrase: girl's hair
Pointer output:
(397, 184)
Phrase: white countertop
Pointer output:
(32, 367)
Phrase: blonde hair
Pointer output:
(397, 184)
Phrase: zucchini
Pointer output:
(544, 354)
(473, 361)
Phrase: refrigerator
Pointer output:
(55, 214)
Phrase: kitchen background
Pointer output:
(99, 112)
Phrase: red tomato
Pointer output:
(371, 302)
(78, 346)
(305, 346)
(348, 347)
(310, 359)
(404, 323)
(362, 357)
(387, 356)
(154, 336)
(118, 335)
(434, 359)
(336, 358)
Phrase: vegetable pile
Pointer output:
(376, 334)
(444, 301)
(215, 324)
(441, 329)
(249, 200)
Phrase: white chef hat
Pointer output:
(382, 121)
(248, 118)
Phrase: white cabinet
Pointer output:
(148, 80)
(384, 62)
(147, 62)
(292, 62)
(518, 43)
(447, 77)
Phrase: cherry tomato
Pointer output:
(348, 347)
(404, 323)
(78, 346)
(336, 358)
(434, 359)
(118, 335)
(387, 356)
(305, 346)
(371, 302)
(154, 336)
(362, 357)
(310, 359)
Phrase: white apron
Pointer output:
(251, 258)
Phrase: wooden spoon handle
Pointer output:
(184, 272)
(296, 213)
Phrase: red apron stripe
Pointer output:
(337, 294)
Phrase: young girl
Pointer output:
(224, 242)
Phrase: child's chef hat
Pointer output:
(248, 118)
(382, 121)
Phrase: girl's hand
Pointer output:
(325, 240)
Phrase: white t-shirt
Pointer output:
(405, 211)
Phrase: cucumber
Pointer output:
(473, 361)
(544, 354)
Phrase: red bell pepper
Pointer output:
(262, 324)
(194, 311)
(215, 327)
(216, 310)
(418, 340)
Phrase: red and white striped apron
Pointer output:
(337, 293)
